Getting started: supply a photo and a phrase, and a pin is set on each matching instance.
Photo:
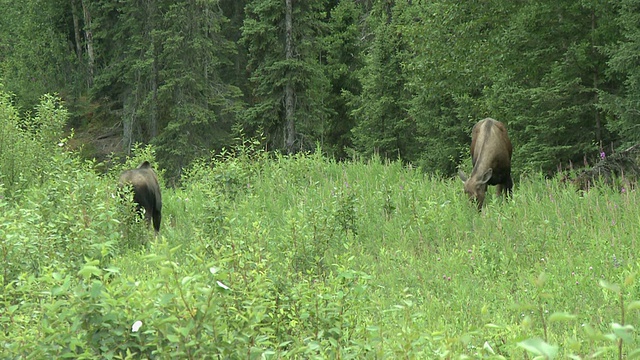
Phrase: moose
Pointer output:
(491, 158)
(146, 192)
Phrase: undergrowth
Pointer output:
(265, 256)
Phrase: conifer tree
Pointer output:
(553, 70)
(383, 124)
(342, 59)
(160, 64)
(623, 101)
(288, 102)
(198, 106)
(34, 56)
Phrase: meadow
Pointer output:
(268, 257)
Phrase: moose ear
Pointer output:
(486, 176)
(462, 175)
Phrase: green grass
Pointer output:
(353, 260)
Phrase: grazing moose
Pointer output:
(491, 158)
(146, 192)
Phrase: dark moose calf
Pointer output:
(491, 158)
(146, 192)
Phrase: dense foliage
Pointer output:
(263, 255)
(303, 257)
(402, 79)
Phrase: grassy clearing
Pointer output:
(360, 260)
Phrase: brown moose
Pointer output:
(491, 158)
(146, 192)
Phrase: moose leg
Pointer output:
(509, 187)
(147, 216)
(505, 189)
(157, 217)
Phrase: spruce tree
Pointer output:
(290, 88)
(383, 124)
(623, 101)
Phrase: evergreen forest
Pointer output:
(305, 152)
(405, 79)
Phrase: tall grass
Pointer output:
(304, 257)
(450, 277)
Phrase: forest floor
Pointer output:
(96, 142)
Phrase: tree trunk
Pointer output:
(88, 35)
(76, 30)
(289, 132)
(595, 80)
(153, 121)
(130, 105)
(128, 119)
(153, 125)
